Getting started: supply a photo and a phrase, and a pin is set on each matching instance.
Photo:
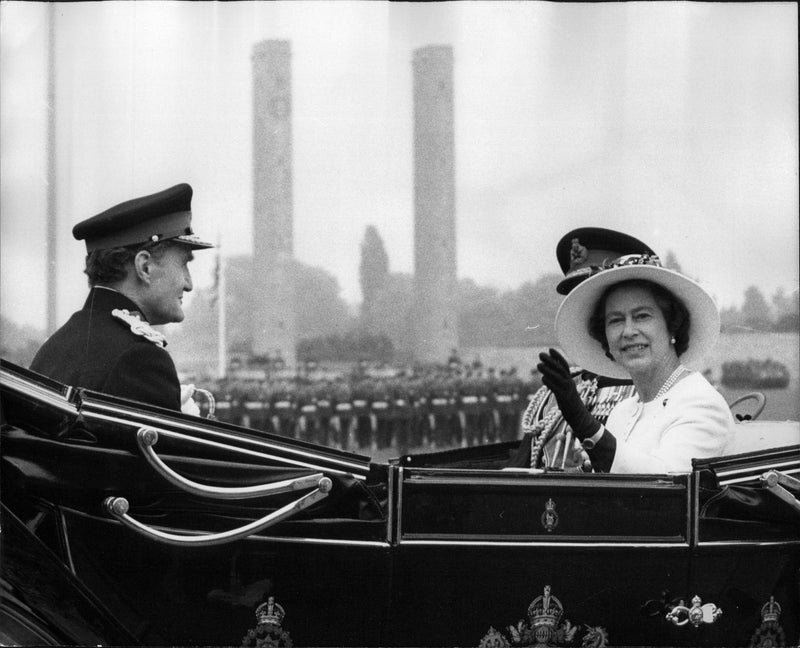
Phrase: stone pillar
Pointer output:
(273, 323)
(435, 282)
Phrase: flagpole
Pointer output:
(222, 350)
(52, 275)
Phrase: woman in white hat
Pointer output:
(638, 319)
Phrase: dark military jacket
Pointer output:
(102, 352)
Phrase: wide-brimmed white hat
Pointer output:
(572, 319)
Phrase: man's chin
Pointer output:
(175, 317)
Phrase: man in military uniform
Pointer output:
(137, 264)
(580, 253)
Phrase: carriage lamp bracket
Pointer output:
(782, 485)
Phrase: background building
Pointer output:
(273, 308)
(435, 320)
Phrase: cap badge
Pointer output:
(577, 253)
(139, 326)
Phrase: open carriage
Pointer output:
(125, 524)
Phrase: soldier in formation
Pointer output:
(440, 407)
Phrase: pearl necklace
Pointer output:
(669, 382)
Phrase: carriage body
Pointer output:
(169, 529)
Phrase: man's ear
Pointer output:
(143, 266)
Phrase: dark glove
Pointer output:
(556, 377)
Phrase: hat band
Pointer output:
(143, 233)
(631, 260)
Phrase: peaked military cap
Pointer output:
(166, 215)
(583, 251)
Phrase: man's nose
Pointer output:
(187, 282)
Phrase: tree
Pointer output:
(755, 310)
(373, 271)
(319, 308)
(730, 319)
(787, 310)
(521, 317)
(535, 305)
(392, 310)
(481, 315)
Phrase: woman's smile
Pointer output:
(633, 348)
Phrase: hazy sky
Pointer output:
(675, 122)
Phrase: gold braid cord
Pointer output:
(545, 426)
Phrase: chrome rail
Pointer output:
(118, 508)
(148, 437)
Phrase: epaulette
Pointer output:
(139, 326)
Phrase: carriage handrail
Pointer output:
(118, 508)
(147, 438)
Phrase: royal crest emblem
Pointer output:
(769, 633)
(268, 632)
(549, 517)
(543, 628)
(139, 327)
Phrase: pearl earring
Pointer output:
(672, 340)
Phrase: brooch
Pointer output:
(139, 326)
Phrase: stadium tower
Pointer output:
(435, 284)
(273, 322)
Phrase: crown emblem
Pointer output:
(770, 611)
(544, 627)
(549, 518)
(770, 632)
(545, 611)
(270, 613)
(268, 631)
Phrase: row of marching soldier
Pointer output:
(434, 407)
